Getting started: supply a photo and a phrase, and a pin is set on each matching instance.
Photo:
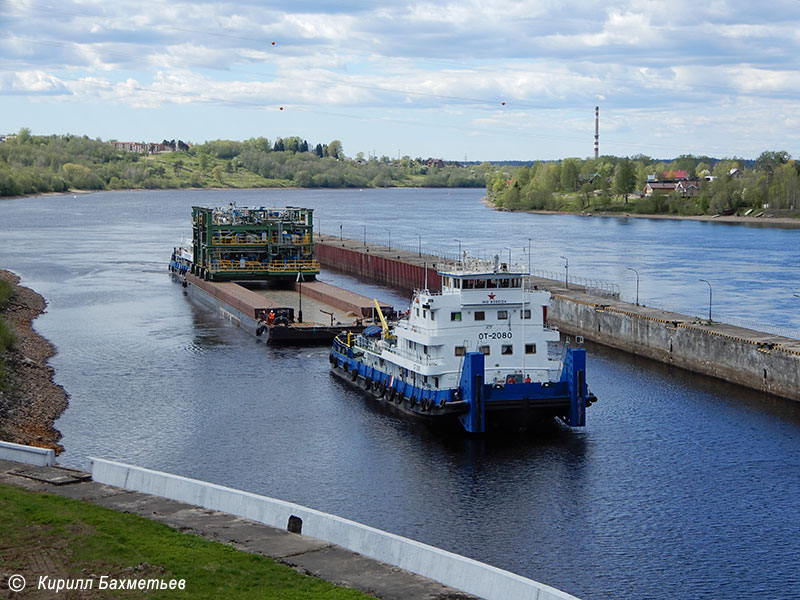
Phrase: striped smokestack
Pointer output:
(596, 130)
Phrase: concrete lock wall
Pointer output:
(699, 349)
(445, 567)
(30, 455)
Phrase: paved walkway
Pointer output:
(307, 555)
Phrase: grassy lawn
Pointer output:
(180, 167)
(42, 534)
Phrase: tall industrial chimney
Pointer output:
(596, 130)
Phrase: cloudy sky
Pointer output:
(476, 79)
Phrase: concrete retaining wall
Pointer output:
(30, 455)
(445, 567)
(726, 352)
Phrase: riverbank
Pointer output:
(31, 402)
(764, 221)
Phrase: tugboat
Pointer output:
(480, 351)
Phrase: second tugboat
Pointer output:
(480, 352)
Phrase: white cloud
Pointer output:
(648, 62)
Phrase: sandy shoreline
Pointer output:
(32, 402)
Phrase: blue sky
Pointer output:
(481, 80)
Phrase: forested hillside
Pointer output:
(39, 164)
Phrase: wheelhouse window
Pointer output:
(469, 284)
(530, 348)
(502, 314)
(507, 349)
(487, 350)
(480, 315)
(461, 350)
(526, 314)
(480, 284)
(455, 316)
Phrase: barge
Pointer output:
(479, 352)
(241, 261)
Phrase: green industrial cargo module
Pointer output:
(253, 244)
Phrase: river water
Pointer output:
(680, 486)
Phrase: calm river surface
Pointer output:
(679, 487)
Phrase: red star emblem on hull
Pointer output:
(491, 296)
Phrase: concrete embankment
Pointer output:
(754, 359)
(320, 544)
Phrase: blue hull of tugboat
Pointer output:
(478, 406)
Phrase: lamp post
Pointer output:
(459, 250)
(341, 237)
(300, 288)
(566, 272)
(365, 235)
(529, 257)
(419, 236)
(637, 283)
(389, 242)
(709, 300)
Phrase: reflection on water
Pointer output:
(680, 485)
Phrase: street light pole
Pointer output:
(529, 257)
(419, 236)
(459, 251)
(566, 272)
(709, 300)
(300, 288)
(341, 237)
(365, 235)
(637, 283)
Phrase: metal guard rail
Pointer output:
(280, 267)
(256, 241)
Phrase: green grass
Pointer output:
(242, 179)
(84, 540)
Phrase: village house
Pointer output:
(658, 187)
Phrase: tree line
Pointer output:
(57, 163)
(610, 183)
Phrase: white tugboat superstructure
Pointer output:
(480, 350)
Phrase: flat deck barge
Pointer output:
(249, 307)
